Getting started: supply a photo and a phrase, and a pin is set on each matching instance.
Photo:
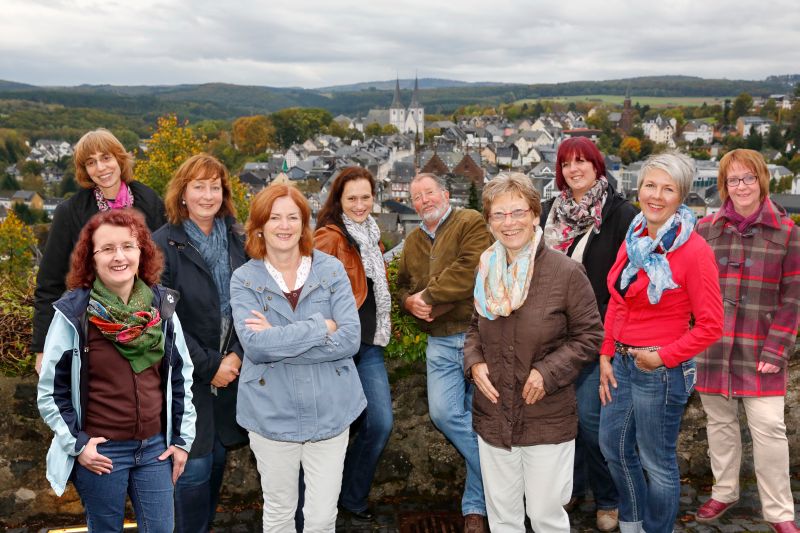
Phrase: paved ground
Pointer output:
(405, 517)
(442, 518)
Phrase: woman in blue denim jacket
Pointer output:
(296, 318)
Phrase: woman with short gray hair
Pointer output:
(525, 373)
(665, 275)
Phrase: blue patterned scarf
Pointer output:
(213, 249)
(649, 254)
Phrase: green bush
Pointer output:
(408, 342)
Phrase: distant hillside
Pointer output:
(388, 85)
(227, 101)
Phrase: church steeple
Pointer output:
(415, 95)
(396, 101)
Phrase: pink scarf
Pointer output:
(124, 198)
(742, 223)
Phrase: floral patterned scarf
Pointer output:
(569, 219)
(124, 198)
(500, 287)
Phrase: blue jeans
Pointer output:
(137, 472)
(192, 496)
(373, 428)
(590, 465)
(197, 491)
(450, 406)
(645, 413)
(220, 459)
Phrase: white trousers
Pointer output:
(279, 467)
(770, 451)
(542, 474)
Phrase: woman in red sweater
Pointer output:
(665, 275)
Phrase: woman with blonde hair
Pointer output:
(104, 170)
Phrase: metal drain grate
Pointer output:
(434, 522)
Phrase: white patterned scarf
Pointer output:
(368, 236)
(500, 287)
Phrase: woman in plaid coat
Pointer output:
(757, 247)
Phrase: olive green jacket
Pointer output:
(444, 269)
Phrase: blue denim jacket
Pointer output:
(297, 382)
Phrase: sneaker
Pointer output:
(475, 523)
(607, 519)
(712, 509)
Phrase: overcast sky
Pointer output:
(312, 43)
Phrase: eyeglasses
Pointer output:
(747, 179)
(516, 214)
(111, 249)
(105, 159)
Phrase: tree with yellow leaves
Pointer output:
(629, 150)
(17, 249)
(170, 145)
(253, 135)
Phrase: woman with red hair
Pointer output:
(115, 385)
(296, 318)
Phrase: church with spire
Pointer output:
(409, 119)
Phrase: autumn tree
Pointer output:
(17, 248)
(629, 150)
(170, 145)
(253, 135)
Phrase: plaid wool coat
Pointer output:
(759, 273)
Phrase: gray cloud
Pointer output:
(312, 43)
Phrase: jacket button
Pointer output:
(266, 307)
(510, 348)
(269, 297)
(261, 382)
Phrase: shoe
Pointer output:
(475, 523)
(712, 509)
(364, 516)
(784, 527)
(607, 519)
(573, 503)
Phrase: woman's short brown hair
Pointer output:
(82, 270)
(750, 159)
(103, 141)
(261, 209)
(511, 182)
(198, 167)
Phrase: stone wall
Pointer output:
(417, 464)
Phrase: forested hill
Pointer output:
(226, 101)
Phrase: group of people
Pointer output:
(583, 323)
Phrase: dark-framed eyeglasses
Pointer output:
(747, 179)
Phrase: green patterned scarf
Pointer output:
(134, 328)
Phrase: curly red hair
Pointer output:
(82, 271)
